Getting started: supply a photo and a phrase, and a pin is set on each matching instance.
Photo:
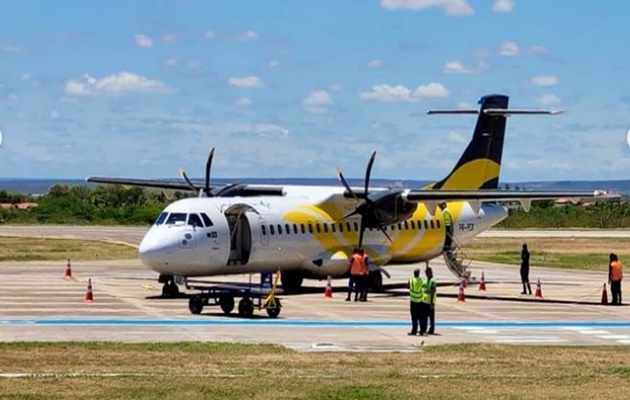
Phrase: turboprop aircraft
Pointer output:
(310, 231)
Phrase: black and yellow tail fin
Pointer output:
(480, 165)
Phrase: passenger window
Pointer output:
(271, 230)
(406, 225)
(310, 228)
(295, 229)
(438, 223)
(279, 229)
(413, 225)
(393, 227)
(432, 226)
(349, 226)
(176, 219)
(206, 220)
(356, 227)
(319, 229)
(341, 227)
(303, 228)
(399, 226)
(160, 220)
(333, 228)
(194, 220)
(325, 227)
(287, 228)
(263, 228)
(426, 224)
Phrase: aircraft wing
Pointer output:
(227, 190)
(482, 196)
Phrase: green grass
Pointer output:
(227, 371)
(32, 249)
(572, 253)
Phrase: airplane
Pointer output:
(311, 231)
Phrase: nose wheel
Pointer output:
(170, 289)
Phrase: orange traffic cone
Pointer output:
(604, 295)
(89, 296)
(68, 275)
(538, 290)
(482, 283)
(460, 295)
(328, 291)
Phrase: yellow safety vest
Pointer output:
(415, 290)
(426, 291)
(448, 220)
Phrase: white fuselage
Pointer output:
(300, 231)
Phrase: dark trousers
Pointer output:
(416, 316)
(424, 315)
(354, 284)
(448, 240)
(525, 280)
(431, 315)
(615, 289)
(363, 287)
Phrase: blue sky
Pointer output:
(296, 89)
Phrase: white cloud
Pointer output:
(143, 41)
(9, 48)
(456, 137)
(27, 78)
(548, 100)
(318, 101)
(400, 93)
(243, 102)
(266, 130)
(509, 49)
(169, 38)
(274, 64)
(545, 80)
(450, 7)
(54, 114)
(209, 35)
(431, 90)
(374, 64)
(246, 82)
(537, 50)
(456, 67)
(171, 62)
(119, 84)
(503, 6)
(228, 129)
(249, 36)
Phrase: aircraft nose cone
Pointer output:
(152, 253)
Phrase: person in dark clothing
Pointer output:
(525, 270)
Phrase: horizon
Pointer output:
(298, 89)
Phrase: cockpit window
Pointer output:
(194, 220)
(206, 220)
(176, 219)
(160, 220)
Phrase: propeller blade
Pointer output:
(361, 233)
(345, 183)
(226, 188)
(368, 172)
(208, 166)
(380, 228)
(352, 214)
(182, 173)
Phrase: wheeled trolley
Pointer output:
(251, 296)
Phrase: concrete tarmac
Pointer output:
(37, 304)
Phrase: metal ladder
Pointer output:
(457, 260)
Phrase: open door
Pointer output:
(240, 234)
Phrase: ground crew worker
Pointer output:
(429, 294)
(365, 276)
(356, 267)
(525, 269)
(448, 225)
(615, 277)
(415, 301)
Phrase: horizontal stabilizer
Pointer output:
(497, 112)
(525, 197)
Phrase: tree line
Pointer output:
(110, 204)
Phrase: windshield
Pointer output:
(160, 220)
(176, 219)
(195, 221)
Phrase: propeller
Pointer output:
(366, 207)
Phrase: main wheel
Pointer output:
(170, 289)
(245, 307)
(274, 311)
(376, 281)
(195, 304)
(226, 302)
(291, 282)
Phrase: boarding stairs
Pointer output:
(457, 260)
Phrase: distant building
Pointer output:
(17, 206)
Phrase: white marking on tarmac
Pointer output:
(614, 337)
(594, 332)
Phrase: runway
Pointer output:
(39, 305)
